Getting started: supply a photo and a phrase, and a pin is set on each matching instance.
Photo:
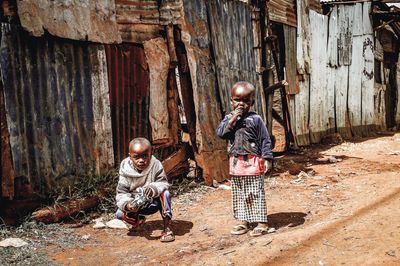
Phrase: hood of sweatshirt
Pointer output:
(128, 170)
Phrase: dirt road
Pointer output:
(342, 210)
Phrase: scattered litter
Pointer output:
(394, 153)
(391, 253)
(116, 224)
(228, 252)
(204, 227)
(13, 242)
(271, 230)
(269, 242)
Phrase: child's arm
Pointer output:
(123, 194)
(160, 183)
(225, 128)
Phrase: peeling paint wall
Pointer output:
(92, 20)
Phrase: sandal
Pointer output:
(167, 236)
(259, 231)
(240, 229)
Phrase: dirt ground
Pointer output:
(343, 209)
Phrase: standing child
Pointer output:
(250, 157)
(143, 188)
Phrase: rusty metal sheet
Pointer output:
(232, 43)
(283, 11)
(49, 106)
(205, 97)
(140, 21)
(129, 84)
(7, 174)
(157, 56)
(75, 19)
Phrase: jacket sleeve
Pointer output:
(123, 193)
(265, 140)
(223, 130)
(160, 183)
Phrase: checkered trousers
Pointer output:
(248, 198)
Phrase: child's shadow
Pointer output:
(179, 227)
(282, 219)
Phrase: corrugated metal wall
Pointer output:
(232, 42)
(129, 83)
(283, 11)
(49, 107)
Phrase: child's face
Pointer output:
(242, 98)
(140, 155)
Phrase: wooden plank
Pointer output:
(290, 59)
(379, 104)
(354, 91)
(367, 19)
(333, 37)
(176, 161)
(318, 81)
(367, 79)
(103, 148)
(341, 89)
(367, 86)
(303, 40)
(345, 15)
(301, 113)
(158, 60)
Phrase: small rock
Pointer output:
(303, 174)
(271, 230)
(311, 172)
(116, 224)
(86, 237)
(224, 187)
(203, 228)
(99, 225)
(13, 242)
(332, 159)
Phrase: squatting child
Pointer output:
(143, 188)
(250, 157)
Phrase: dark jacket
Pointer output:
(248, 136)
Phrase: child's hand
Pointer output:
(129, 206)
(236, 114)
(149, 192)
(267, 166)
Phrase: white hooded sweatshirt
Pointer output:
(130, 179)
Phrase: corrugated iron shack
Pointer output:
(345, 85)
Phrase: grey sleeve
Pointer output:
(160, 183)
(123, 194)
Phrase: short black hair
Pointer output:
(142, 141)
(246, 85)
